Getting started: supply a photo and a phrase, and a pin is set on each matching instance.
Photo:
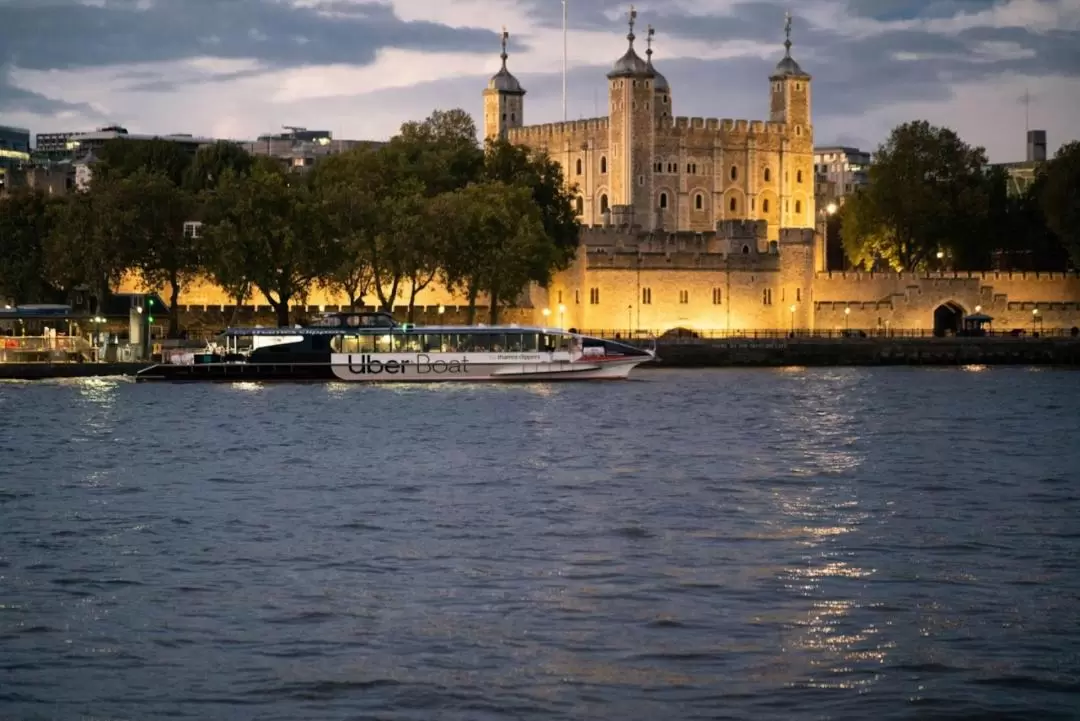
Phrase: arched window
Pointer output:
(603, 203)
(734, 173)
(798, 206)
(603, 164)
(798, 176)
(765, 205)
(580, 205)
(746, 250)
(733, 205)
(579, 166)
(699, 201)
(768, 175)
(663, 200)
(513, 117)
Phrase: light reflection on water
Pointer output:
(772, 544)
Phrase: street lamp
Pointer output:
(826, 212)
(1034, 319)
(978, 309)
(847, 316)
(630, 318)
(792, 309)
(546, 312)
(562, 310)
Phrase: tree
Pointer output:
(270, 232)
(926, 193)
(866, 241)
(440, 151)
(122, 157)
(164, 253)
(554, 197)
(497, 245)
(1059, 193)
(352, 226)
(210, 163)
(90, 236)
(26, 218)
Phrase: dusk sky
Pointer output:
(240, 68)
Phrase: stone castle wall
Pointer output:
(908, 300)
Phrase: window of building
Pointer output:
(603, 164)
(504, 117)
(663, 200)
(641, 180)
(658, 167)
(594, 296)
(765, 205)
(753, 204)
(684, 297)
(646, 296)
(746, 251)
(699, 201)
(733, 205)
(717, 296)
(766, 296)
(672, 167)
(579, 205)
(691, 168)
(603, 203)
(578, 166)
(798, 206)
(577, 297)
(734, 173)
(798, 295)
(798, 176)
(768, 175)
(559, 294)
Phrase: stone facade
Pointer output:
(642, 165)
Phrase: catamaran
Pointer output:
(372, 347)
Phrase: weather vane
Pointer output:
(633, 17)
(787, 31)
(651, 32)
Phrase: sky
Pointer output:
(360, 68)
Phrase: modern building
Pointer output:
(14, 152)
(1022, 174)
(839, 170)
(300, 148)
(641, 165)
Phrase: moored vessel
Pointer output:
(372, 347)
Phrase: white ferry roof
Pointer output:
(387, 330)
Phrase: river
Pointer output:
(849, 543)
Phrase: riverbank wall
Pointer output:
(710, 353)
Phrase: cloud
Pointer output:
(362, 67)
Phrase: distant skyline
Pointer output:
(360, 68)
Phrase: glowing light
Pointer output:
(830, 208)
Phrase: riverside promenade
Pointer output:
(778, 351)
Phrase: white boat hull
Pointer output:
(427, 368)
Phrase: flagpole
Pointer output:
(564, 60)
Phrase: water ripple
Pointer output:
(745, 544)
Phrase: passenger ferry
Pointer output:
(371, 347)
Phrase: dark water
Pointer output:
(843, 544)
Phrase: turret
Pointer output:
(790, 94)
(632, 133)
(504, 100)
(662, 108)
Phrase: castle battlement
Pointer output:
(723, 126)
(963, 275)
(548, 130)
(678, 259)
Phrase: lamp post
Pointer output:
(546, 312)
(629, 319)
(792, 309)
(562, 310)
(827, 212)
(847, 316)
(1034, 319)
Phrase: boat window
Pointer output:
(407, 343)
(529, 342)
(382, 343)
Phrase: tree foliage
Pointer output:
(1059, 190)
(26, 218)
(269, 232)
(926, 194)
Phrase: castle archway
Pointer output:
(948, 319)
